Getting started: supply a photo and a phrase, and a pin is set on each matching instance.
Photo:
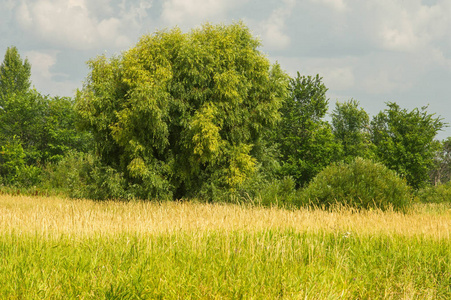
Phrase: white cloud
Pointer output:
(140, 11)
(9, 4)
(134, 13)
(407, 26)
(274, 36)
(385, 82)
(43, 77)
(338, 74)
(193, 12)
(76, 3)
(70, 24)
(338, 5)
(339, 78)
(41, 63)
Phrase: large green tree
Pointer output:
(405, 142)
(306, 142)
(182, 111)
(351, 127)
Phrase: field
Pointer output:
(54, 248)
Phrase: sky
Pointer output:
(373, 51)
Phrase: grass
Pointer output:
(54, 248)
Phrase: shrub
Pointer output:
(267, 191)
(13, 167)
(361, 184)
(436, 194)
(80, 175)
(280, 192)
(27, 176)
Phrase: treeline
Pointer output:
(205, 115)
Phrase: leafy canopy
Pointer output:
(181, 111)
(307, 144)
(37, 129)
(405, 142)
(351, 128)
(14, 75)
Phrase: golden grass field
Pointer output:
(55, 216)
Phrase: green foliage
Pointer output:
(20, 122)
(351, 127)
(60, 134)
(263, 189)
(405, 142)
(69, 173)
(80, 175)
(440, 193)
(183, 111)
(441, 171)
(43, 126)
(361, 184)
(23, 117)
(13, 167)
(278, 192)
(306, 142)
(14, 75)
(12, 159)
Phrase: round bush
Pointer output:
(361, 184)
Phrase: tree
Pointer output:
(44, 126)
(180, 112)
(441, 172)
(351, 127)
(14, 75)
(22, 108)
(405, 143)
(307, 144)
(23, 118)
(60, 133)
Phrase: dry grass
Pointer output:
(55, 216)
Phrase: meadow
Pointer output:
(57, 248)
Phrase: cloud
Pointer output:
(339, 78)
(338, 73)
(9, 4)
(404, 26)
(194, 12)
(70, 24)
(385, 82)
(274, 36)
(42, 76)
(381, 47)
(337, 5)
(41, 63)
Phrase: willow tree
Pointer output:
(181, 111)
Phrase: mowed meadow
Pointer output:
(56, 248)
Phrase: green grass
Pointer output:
(233, 265)
(45, 254)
